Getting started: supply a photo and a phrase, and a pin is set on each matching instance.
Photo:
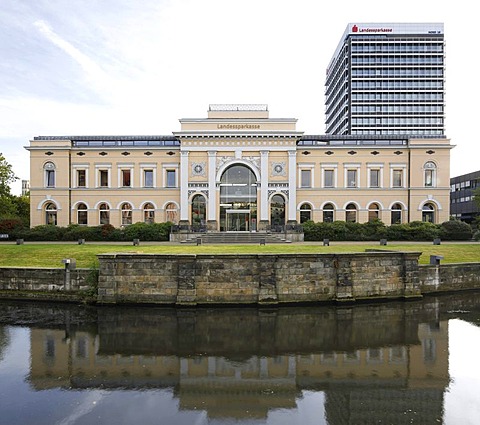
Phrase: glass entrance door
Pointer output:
(238, 220)
(238, 200)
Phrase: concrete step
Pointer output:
(236, 237)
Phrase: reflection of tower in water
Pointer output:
(408, 384)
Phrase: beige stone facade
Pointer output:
(237, 170)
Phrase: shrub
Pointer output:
(354, 231)
(147, 231)
(310, 231)
(12, 227)
(318, 231)
(45, 232)
(75, 232)
(423, 231)
(106, 232)
(398, 232)
(456, 230)
(374, 230)
(339, 229)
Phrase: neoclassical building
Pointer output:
(238, 170)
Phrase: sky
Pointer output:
(124, 67)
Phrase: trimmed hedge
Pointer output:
(336, 231)
(74, 232)
(376, 230)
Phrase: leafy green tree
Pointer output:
(22, 208)
(7, 176)
(476, 196)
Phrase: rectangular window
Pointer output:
(429, 178)
(351, 178)
(148, 178)
(306, 178)
(328, 178)
(103, 174)
(126, 178)
(83, 217)
(374, 178)
(397, 178)
(171, 178)
(126, 217)
(81, 178)
(104, 217)
(50, 178)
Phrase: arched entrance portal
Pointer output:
(238, 199)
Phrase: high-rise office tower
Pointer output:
(387, 78)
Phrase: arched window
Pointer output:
(199, 210)
(171, 213)
(82, 214)
(104, 210)
(351, 213)
(149, 213)
(430, 173)
(328, 213)
(277, 210)
(126, 214)
(428, 213)
(49, 169)
(51, 214)
(373, 212)
(305, 213)
(396, 214)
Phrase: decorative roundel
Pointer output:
(278, 168)
(198, 168)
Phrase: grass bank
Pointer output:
(51, 254)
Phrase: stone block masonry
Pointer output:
(256, 279)
(449, 277)
(262, 279)
(54, 283)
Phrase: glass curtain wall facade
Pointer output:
(462, 196)
(387, 79)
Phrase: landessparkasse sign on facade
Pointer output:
(395, 28)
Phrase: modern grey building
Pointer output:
(462, 204)
(387, 78)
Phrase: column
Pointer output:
(292, 187)
(184, 187)
(212, 191)
(264, 220)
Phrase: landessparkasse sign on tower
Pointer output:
(395, 28)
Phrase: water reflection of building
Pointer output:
(359, 384)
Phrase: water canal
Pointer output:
(394, 363)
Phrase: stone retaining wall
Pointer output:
(449, 277)
(244, 279)
(252, 279)
(32, 280)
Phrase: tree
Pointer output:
(476, 196)
(7, 176)
(22, 208)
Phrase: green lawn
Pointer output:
(51, 255)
